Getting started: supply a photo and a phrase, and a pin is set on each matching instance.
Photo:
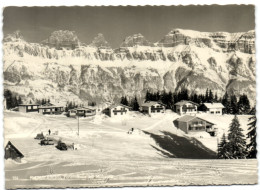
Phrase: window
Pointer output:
(35, 107)
(158, 110)
(29, 107)
(121, 113)
(212, 112)
(115, 113)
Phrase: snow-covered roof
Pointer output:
(183, 102)
(28, 104)
(83, 108)
(115, 105)
(187, 118)
(46, 107)
(151, 103)
(214, 105)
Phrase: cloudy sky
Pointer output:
(116, 23)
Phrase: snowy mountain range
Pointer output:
(62, 68)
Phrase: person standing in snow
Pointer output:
(49, 131)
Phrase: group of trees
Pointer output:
(235, 106)
(42, 101)
(232, 105)
(12, 100)
(235, 146)
(169, 98)
(133, 103)
(72, 105)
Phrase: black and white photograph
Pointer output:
(126, 96)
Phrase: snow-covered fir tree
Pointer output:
(223, 151)
(236, 140)
(251, 135)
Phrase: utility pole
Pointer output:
(78, 125)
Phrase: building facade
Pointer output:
(212, 108)
(117, 110)
(82, 112)
(193, 124)
(186, 107)
(51, 109)
(28, 108)
(152, 107)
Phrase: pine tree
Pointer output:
(20, 100)
(124, 101)
(135, 104)
(226, 103)
(207, 96)
(223, 152)
(236, 141)
(251, 135)
(243, 105)
(210, 98)
(216, 98)
(147, 96)
(233, 104)
(9, 98)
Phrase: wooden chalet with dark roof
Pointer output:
(28, 108)
(152, 107)
(186, 107)
(12, 152)
(190, 124)
(117, 110)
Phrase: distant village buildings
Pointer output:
(152, 107)
(50, 109)
(81, 112)
(186, 107)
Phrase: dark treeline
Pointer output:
(12, 100)
(235, 146)
(133, 103)
(231, 103)
(42, 101)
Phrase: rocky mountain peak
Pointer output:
(136, 39)
(62, 39)
(14, 37)
(100, 42)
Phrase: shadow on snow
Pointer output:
(173, 146)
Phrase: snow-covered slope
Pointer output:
(182, 59)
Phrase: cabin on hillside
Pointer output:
(186, 107)
(50, 109)
(151, 107)
(212, 108)
(81, 112)
(12, 152)
(28, 108)
(192, 124)
(116, 110)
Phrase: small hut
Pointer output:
(12, 152)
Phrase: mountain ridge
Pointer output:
(99, 73)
